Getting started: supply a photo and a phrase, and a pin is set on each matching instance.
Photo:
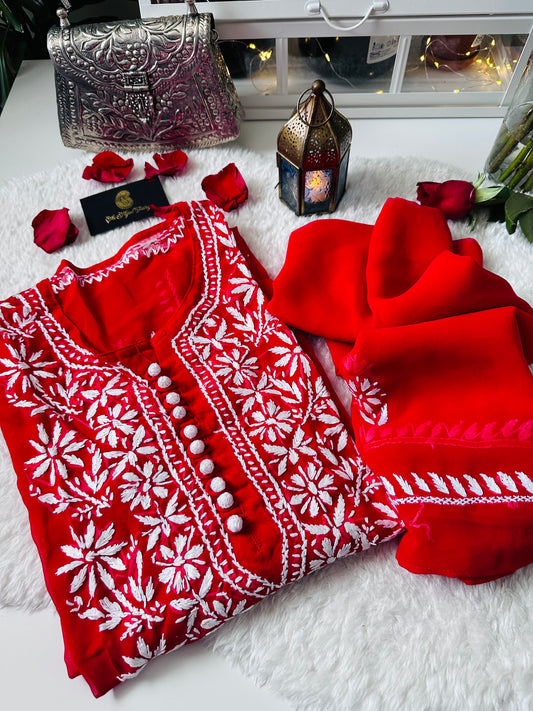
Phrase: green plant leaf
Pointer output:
(494, 194)
(526, 223)
(516, 204)
(511, 226)
(10, 17)
(479, 180)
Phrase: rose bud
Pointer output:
(454, 197)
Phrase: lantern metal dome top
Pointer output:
(316, 135)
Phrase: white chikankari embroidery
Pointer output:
(473, 488)
(292, 359)
(87, 494)
(145, 655)
(312, 489)
(292, 452)
(236, 367)
(142, 484)
(26, 369)
(55, 453)
(370, 399)
(328, 552)
(181, 564)
(253, 393)
(270, 422)
(93, 556)
(160, 522)
(119, 420)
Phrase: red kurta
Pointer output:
(435, 350)
(179, 454)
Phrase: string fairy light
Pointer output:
(481, 55)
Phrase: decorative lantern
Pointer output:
(313, 154)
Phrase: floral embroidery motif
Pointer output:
(54, 453)
(312, 490)
(93, 557)
(366, 391)
(181, 564)
(27, 368)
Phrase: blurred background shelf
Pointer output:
(416, 59)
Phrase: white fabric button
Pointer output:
(164, 382)
(197, 446)
(234, 524)
(225, 500)
(190, 431)
(154, 369)
(179, 412)
(217, 484)
(172, 398)
(207, 466)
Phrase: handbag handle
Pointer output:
(62, 12)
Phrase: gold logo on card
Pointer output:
(123, 200)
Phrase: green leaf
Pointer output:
(511, 226)
(480, 180)
(516, 204)
(526, 223)
(494, 194)
(11, 19)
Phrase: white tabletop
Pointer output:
(32, 670)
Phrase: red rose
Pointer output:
(227, 188)
(167, 164)
(454, 197)
(52, 229)
(108, 167)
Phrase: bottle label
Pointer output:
(381, 48)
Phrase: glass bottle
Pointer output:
(510, 161)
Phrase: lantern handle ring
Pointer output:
(322, 123)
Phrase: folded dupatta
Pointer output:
(435, 349)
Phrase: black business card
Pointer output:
(114, 208)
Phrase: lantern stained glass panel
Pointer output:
(288, 184)
(343, 170)
(317, 190)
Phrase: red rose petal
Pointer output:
(53, 229)
(227, 188)
(167, 164)
(454, 197)
(108, 167)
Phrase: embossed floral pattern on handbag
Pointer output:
(150, 84)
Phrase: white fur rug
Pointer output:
(362, 634)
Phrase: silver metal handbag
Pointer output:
(151, 84)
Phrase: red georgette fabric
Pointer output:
(435, 350)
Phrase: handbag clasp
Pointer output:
(138, 96)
